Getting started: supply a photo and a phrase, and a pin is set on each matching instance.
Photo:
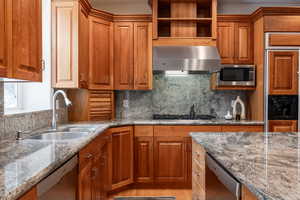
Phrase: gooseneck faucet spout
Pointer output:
(54, 115)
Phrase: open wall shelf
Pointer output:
(185, 18)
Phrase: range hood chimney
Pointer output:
(186, 58)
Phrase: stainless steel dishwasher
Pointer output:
(61, 184)
(220, 184)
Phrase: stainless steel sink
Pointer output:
(77, 128)
(59, 136)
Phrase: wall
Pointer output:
(224, 6)
(10, 124)
(175, 95)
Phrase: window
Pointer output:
(12, 96)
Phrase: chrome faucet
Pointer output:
(54, 115)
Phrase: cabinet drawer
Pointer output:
(144, 131)
(198, 153)
(198, 193)
(286, 23)
(243, 129)
(198, 174)
(183, 131)
(284, 40)
(90, 151)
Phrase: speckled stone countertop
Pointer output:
(267, 163)
(26, 162)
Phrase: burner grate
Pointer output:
(183, 117)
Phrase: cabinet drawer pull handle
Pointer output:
(28, 68)
(94, 173)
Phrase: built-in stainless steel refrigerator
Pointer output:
(279, 105)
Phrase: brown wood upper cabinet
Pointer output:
(235, 42)
(4, 38)
(283, 68)
(143, 154)
(121, 154)
(21, 40)
(101, 54)
(27, 61)
(70, 47)
(133, 55)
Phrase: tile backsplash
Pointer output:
(10, 124)
(175, 95)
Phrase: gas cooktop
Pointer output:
(183, 117)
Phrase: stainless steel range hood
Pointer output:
(186, 58)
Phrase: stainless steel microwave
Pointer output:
(236, 75)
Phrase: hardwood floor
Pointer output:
(180, 194)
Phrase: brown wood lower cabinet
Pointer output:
(121, 152)
(30, 195)
(163, 154)
(170, 159)
(283, 126)
(143, 159)
(93, 169)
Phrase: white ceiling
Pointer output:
(227, 1)
(224, 6)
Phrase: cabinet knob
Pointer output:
(88, 156)
(94, 173)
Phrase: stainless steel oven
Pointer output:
(236, 75)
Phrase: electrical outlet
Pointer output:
(126, 103)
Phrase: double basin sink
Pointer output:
(69, 132)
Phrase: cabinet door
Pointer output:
(85, 182)
(143, 159)
(170, 162)
(64, 32)
(122, 157)
(123, 54)
(283, 68)
(142, 56)
(225, 42)
(243, 43)
(3, 38)
(189, 150)
(96, 178)
(100, 172)
(27, 40)
(283, 126)
(31, 195)
(101, 54)
(83, 50)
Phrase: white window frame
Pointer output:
(19, 94)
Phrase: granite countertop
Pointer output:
(26, 162)
(266, 163)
